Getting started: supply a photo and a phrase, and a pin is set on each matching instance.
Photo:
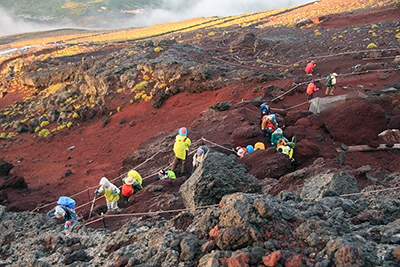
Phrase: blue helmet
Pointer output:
(183, 131)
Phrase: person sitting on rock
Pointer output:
(268, 126)
(199, 156)
(65, 209)
(181, 146)
(310, 67)
(111, 192)
(278, 134)
(132, 183)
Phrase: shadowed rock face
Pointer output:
(217, 176)
(363, 126)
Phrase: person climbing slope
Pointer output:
(311, 89)
(181, 146)
(111, 193)
(268, 126)
(199, 156)
(65, 209)
(162, 174)
(132, 183)
(276, 136)
(330, 83)
(310, 67)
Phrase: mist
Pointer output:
(173, 10)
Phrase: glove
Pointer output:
(67, 224)
(272, 143)
(114, 191)
(96, 192)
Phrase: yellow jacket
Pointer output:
(181, 145)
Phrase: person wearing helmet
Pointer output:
(276, 136)
(64, 210)
(132, 183)
(265, 110)
(330, 83)
(268, 126)
(111, 192)
(181, 146)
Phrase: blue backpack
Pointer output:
(66, 202)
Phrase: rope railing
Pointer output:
(361, 193)
(151, 213)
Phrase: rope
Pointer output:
(152, 213)
(361, 193)
(231, 150)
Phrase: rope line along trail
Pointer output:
(361, 193)
(150, 213)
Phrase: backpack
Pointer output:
(66, 202)
(328, 80)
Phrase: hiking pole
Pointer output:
(88, 192)
(104, 220)
(91, 209)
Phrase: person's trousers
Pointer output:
(112, 205)
(176, 162)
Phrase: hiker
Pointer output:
(310, 67)
(259, 146)
(132, 183)
(181, 146)
(311, 89)
(241, 151)
(166, 174)
(65, 209)
(278, 134)
(330, 83)
(111, 192)
(249, 148)
(265, 110)
(286, 148)
(268, 126)
(199, 156)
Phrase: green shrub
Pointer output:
(259, 60)
(37, 129)
(10, 135)
(374, 26)
(295, 65)
(317, 34)
(62, 126)
(3, 135)
(398, 35)
(69, 124)
(158, 49)
(44, 123)
(44, 132)
(140, 86)
(371, 46)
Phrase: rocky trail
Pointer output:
(262, 210)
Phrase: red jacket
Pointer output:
(309, 67)
(127, 190)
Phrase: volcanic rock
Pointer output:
(217, 176)
(364, 124)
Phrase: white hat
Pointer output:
(59, 212)
(240, 152)
(334, 74)
(129, 180)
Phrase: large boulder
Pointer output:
(323, 184)
(267, 163)
(216, 177)
(5, 168)
(363, 126)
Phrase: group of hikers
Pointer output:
(330, 82)
(132, 183)
(272, 133)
